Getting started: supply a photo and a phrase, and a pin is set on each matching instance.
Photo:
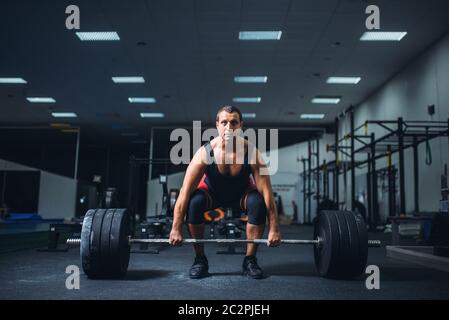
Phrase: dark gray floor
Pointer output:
(291, 275)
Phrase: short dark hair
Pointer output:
(229, 109)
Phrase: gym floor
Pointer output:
(290, 271)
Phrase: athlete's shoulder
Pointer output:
(213, 143)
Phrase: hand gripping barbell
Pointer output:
(340, 243)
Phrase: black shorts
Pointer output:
(251, 202)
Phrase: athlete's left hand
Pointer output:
(274, 238)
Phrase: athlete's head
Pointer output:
(228, 122)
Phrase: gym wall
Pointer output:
(56, 193)
(422, 83)
(57, 196)
(8, 165)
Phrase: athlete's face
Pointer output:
(228, 125)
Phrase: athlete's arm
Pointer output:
(263, 185)
(194, 173)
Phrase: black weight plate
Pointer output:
(95, 244)
(106, 253)
(362, 257)
(354, 240)
(344, 257)
(85, 242)
(326, 254)
(119, 245)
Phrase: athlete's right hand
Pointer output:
(175, 237)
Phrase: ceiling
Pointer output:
(188, 52)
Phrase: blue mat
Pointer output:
(23, 216)
(28, 218)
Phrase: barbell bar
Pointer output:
(371, 243)
(340, 243)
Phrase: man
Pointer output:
(222, 174)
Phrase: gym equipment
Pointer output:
(168, 198)
(58, 231)
(327, 204)
(345, 244)
(398, 136)
(340, 243)
(110, 198)
(360, 208)
(231, 227)
(227, 225)
(159, 225)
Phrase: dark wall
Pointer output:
(19, 191)
(55, 152)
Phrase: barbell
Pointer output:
(340, 243)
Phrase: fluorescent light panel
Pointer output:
(98, 36)
(343, 80)
(248, 115)
(12, 80)
(382, 36)
(247, 99)
(326, 100)
(141, 100)
(312, 116)
(128, 79)
(152, 115)
(250, 79)
(64, 114)
(260, 35)
(41, 100)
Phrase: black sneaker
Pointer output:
(199, 268)
(251, 268)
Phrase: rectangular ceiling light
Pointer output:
(248, 115)
(326, 100)
(41, 99)
(260, 35)
(152, 115)
(141, 100)
(251, 79)
(12, 80)
(128, 79)
(247, 99)
(312, 116)
(382, 36)
(98, 36)
(343, 80)
(64, 114)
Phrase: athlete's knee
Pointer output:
(196, 208)
(256, 208)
